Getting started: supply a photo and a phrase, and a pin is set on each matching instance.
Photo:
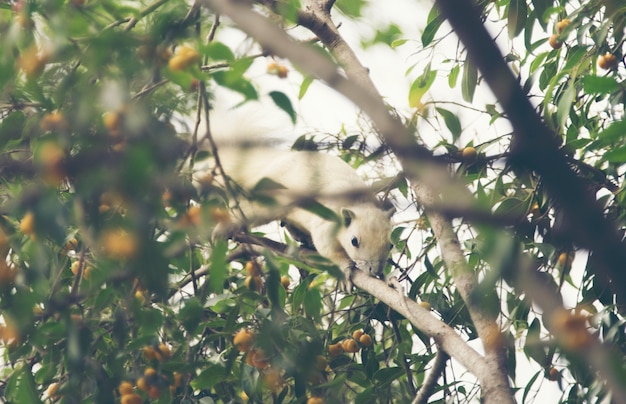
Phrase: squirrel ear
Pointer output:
(347, 216)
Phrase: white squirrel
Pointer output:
(361, 235)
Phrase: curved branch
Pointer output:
(439, 365)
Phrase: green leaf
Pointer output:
(420, 86)
(209, 377)
(452, 122)
(283, 102)
(313, 303)
(615, 155)
(518, 12)
(599, 84)
(431, 29)
(305, 86)
(469, 80)
(398, 42)
(218, 51)
(565, 105)
(533, 346)
(218, 269)
(350, 8)
(454, 75)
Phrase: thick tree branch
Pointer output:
(422, 319)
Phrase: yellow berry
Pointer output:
(357, 334)
(243, 340)
(27, 224)
(284, 280)
(131, 399)
(350, 346)
(365, 340)
(335, 350)
(125, 388)
(554, 41)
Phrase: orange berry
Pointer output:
(607, 61)
(119, 244)
(164, 352)
(150, 373)
(335, 349)
(148, 351)
(53, 121)
(125, 388)
(365, 340)
(131, 399)
(285, 281)
(469, 154)
(142, 384)
(52, 390)
(315, 400)
(553, 374)
(357, 334)
(154, 392)
(554, 41)
(350, 346)
(561, 25)
(112, 122)
(27, 224)
(243, 340)
(259, 359)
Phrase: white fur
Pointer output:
(360, 237)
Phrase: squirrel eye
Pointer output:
(355, 242)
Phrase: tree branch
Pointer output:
(439, 366)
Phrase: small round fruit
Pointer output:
(154, 392)
(554, 41)
(282, 72)
(260, 359)
(469, 154)
(315, 400)
(125, 388)
(119, 244)
(335, 350)
(178, 379)
(365, 340)
(142, 384)
(131, 399)
(243, 340)
(284, 280)
(150, 373)
(357, 334)
(148, 351)
(553, 374)
(53, 121)
(564, 260)
(350, 346)
(561, 25)
(164, 352)
(607, 61)
(27, 224)
(425, 305)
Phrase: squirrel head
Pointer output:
(365, 236)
